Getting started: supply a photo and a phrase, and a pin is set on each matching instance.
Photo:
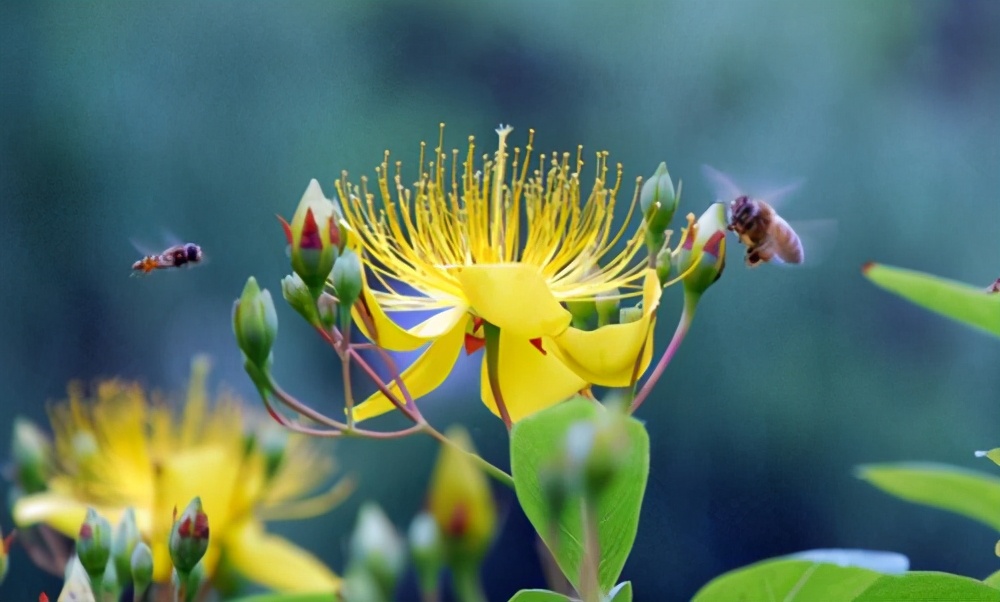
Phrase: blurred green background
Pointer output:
(122, 121)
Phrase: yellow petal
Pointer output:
(392, 336)
(515, 297)
(607, 356)
(276, 563)
(529, 379)
(424, 375)
(61, 512)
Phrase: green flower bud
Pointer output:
(314, 238)
(255, 324)
(558, 486)
(664, 265)
(348, 280)
(273, 442)
(427, 551)
(582, 312)
(76, 582)
(297, 294)
(629, 314)
(189, 538)
(93, 545)
(706, 245)
(595, 451)
(123, 543)
(326, 306)
(110, 586)
(377, 547)
(141, 569)
(658, 202)
(31, 452)
(607, 305)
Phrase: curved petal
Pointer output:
(275, 562)
(62, 512)
(607, 356)
(424, 375)
(530, 380)
(392, 336)
(515, 297)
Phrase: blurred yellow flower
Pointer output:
(501, 247)
(121, 449)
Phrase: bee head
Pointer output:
(192, 252)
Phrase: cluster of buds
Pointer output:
(111, 559)
(319, 258)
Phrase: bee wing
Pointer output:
(143, 248)
(722, 185)
(818, 237)
(726, 189)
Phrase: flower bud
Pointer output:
(629, 314)
(273, 442)
(189, 538)
(377, 547)
(110, 585)
(314, 237)
(706, 244)
(76, 583)
(607, 305)
(461, 501)
(664, 265)
(582, 312)
(658, 202)
(93, 546)
(347, 282)
(4, 554)
(123, 543)
(326, 307)
(255, 324)
(31, 452)
(141, 569)
(297, 294)
(427, 551)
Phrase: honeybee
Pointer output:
(994, 288)
(172, 257)
(767, 236)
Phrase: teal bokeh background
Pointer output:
(123, 121)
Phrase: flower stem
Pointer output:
(497, 473)
(492, 335)
(468, 586)
(683, 325)
(590, 583)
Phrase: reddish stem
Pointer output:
(682, 328)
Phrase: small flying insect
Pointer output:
(994, 288)
(766, 235)
(172, 257)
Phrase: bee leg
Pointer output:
(752, 258)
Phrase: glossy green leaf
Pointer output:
(970, 493)
(539, 595)
(792, 580)
(621, 592)
(532, 445)
(967, 304)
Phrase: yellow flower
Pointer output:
(122, 450)
(503, 246)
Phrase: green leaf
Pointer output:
(621, 592)
(993, 455)
(973, 494)
(533, 445)
(792, 580)
(539, 595)
(967, 304)
(928, 586)
(275, 597)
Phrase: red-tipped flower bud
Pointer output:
(314, 236)
(93, 545)
(189, 538)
